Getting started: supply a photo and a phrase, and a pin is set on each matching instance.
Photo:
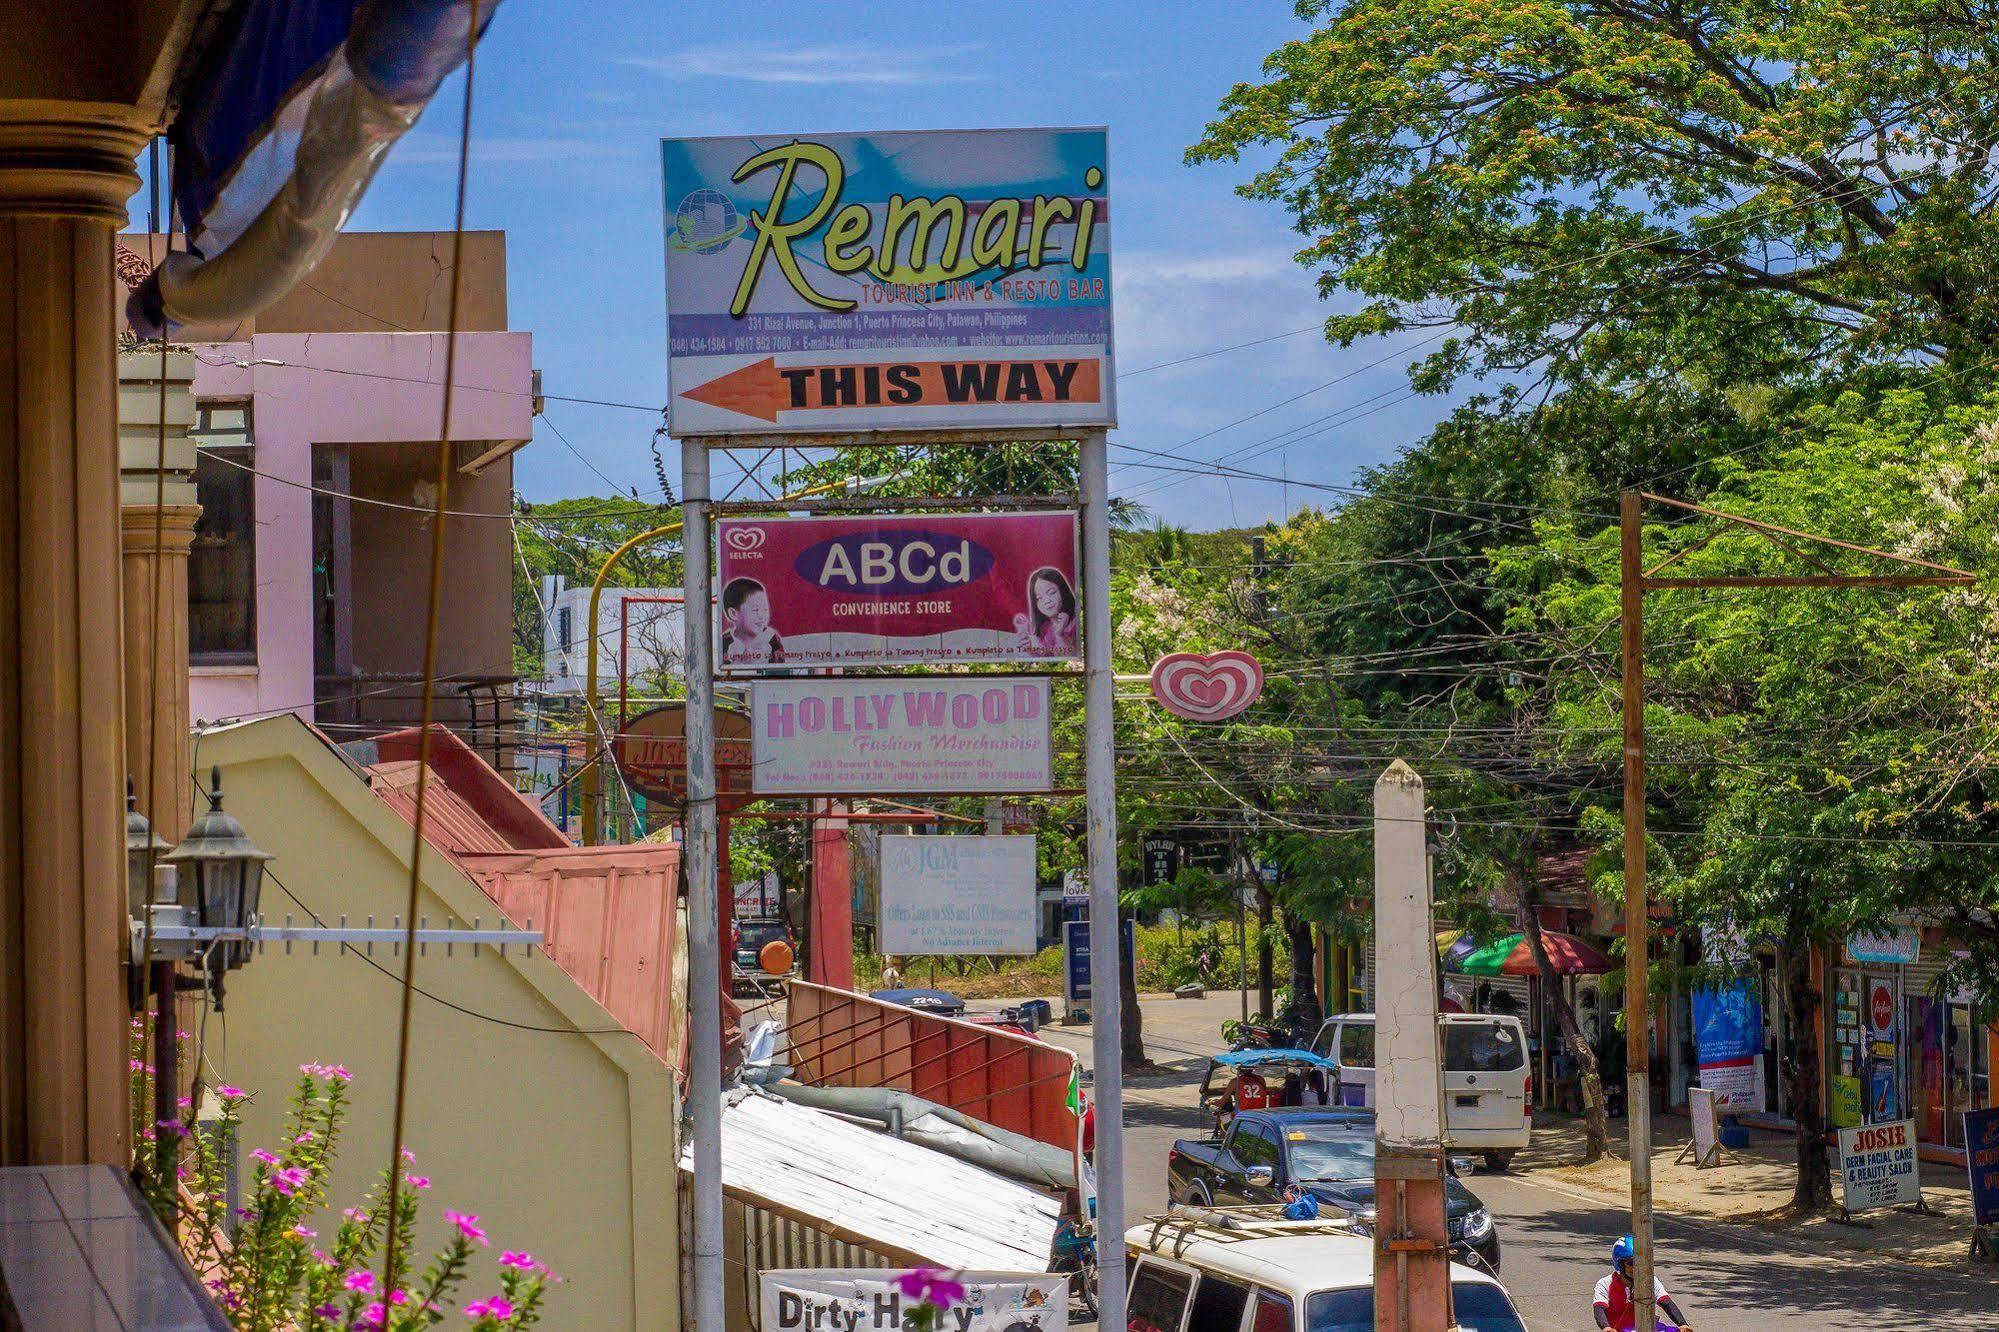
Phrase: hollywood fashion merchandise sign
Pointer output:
(1728, 1042)
(888, 590)
(963, 895)
(868, 1300)
(1877, 1166)
(983, 734)
(898, 281)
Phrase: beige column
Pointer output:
(158, 512)
(66, 170)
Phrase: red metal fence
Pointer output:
(842, 1039)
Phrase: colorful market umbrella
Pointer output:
(1453, 946)
(1511, 956)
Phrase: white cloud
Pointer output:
(824, 65)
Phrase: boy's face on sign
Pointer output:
(753, 615)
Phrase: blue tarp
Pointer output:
(1252, 1058)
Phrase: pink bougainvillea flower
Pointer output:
(409, 1156)
(363, 1281)
(375, 1315)
(265, 1155)
(355, 1214)
(304, 1232)
(183, 1035)
(468, 1225)
(418, 1181)
(232, 1093)
(141, 1066)
(524, 1261)
(171, 1126)
(290, 1180)
(498, 1306)
(185, 1102)
(930, 1285)
(305, 1136)
(339, 1073)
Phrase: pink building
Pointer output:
(317, 430)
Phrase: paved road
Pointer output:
(1556, 1241)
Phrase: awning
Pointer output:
(907, 1202)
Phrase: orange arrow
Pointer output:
(762, 389)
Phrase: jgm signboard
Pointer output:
(841, 282)
(889, 590)
(958, 735)
(966, 895)
(868, 1300)
(1877, 1166)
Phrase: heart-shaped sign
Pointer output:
(1211, 687)
(745, 538)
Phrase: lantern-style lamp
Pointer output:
(221, 876)
(143, 851)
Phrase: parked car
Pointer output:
(941, 1003)
(1255, 1274)
(747, 957)
(1488, 1080)
(1327, 1152)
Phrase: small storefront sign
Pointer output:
(969, 735)
(897, 589)
(869, 1300)
(1900, 945)
(957, 895)
(1981, 1158)
(1728, 1041)
(1159, 862)
(1076, 963)
(651, 754)
(1877, 1166)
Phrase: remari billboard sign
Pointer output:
(954, 279)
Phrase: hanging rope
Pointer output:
(391, 1255)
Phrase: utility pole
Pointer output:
(1265, 981)
(1106, 924)
(1636, 581)
(1412, 1270)
(704, 976)
(1637, 1000)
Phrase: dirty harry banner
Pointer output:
(839, 282)
(890, 590)
(868, 1300)
(967, 734)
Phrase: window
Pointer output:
(1253, 1146)
(1333, 1153)
(563, 629)
(1478, 1308)
(1482, 1047)
(1218, 1305)
(222, 562)
(1357, 1045)
(1273, 1313)
(1157, 1299)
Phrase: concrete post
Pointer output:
(158, 515)
(66, 170)
(1412, 1284)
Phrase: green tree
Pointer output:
(1821, 758)
(573, 538)
(1631, 191)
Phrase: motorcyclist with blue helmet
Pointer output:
(1615, 1308)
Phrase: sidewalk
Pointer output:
(1757, 1192)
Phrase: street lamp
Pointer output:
(225, 869)
(144, 850)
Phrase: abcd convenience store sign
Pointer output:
(842, 282)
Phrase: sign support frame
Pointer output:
(704, 1082)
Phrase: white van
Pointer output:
(1488, 1080)
(1241, 1270)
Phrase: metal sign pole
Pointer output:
(1106, 947)
(704, 977)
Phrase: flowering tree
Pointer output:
(264, 1261)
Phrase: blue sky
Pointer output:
(572, 100)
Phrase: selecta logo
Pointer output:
(748, 540)
(894, 562)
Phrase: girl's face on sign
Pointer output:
(753, 616)
(1047, 596)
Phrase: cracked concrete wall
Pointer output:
(1407, 1078)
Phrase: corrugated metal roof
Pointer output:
(449, 823)
(881, 1192)
(609, 919)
